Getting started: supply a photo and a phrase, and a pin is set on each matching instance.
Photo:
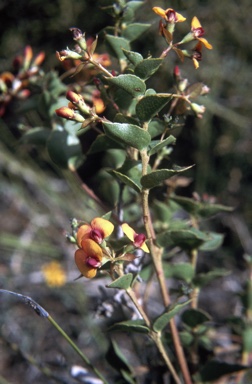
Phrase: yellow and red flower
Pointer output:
(97, 231)
(88, 258)
(169, 15)
(198, 32)
(138, 240)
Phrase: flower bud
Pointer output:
(198, 109)
(79, 37)
(68, 54)
(69, 114)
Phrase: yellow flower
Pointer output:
(169, 15)
(98, 230)
(138, 240)
(89, 258)
(198, 32)
(54, 274)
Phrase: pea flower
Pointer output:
(138, 240)
(88, 258)
(196, 33)
(54, 274)
(169, 15)
(97, 231)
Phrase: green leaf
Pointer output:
(194, 317)
(36, 136)
(156, 128)
(181, 271)
(161, 144)
(127, 134)
(120, 118)
(103, 143)
(130, 174)
(147, 68)
(202, 209)
(134, 57)
(247, 339)
(123, 282)
(185, 238)
(133, 31)
(129, 83)
(202, 279)
(165, 318)
(148, 106)
(116, 358)
(62, 147)
(214, 369)
(130, 326)
(155, 178)
(214, 242)
(117, 44)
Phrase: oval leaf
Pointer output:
(149, 106)
(184, 238)
(123, 282)
(126, 180)
(147, 68)
(130, 326)
(194, 317)
(133, 31)
(129, 83)
(117, 43)
(62, 147)
(134, 57)
(161, 144)
(166, 317)
(128, 134)
(213, 370)
(155, 178)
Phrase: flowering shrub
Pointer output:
(164, 236)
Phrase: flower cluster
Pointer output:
(27, 70)
(196, 33)
(93, 251)
(89, 256)
(77, 110)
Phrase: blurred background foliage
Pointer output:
(37, 199)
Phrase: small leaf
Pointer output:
(202, 279)
(181, 271)
(166, 317)
(36, 136)
(148, 106)
(202, 209)
(116, 358)
(126, 180)
(134, 57)
(129, 83)
(133, 31)
(161, 144)
(214, 242)
(147, 68)
(130, 9)
(117, 44)
(213, 370)
(155, 178)
(103, 143)
(120, 118)
(123, 282)
(184, 238)
(194, 317)
(130, 326)
(130, 174)
(127, 134)
(62, 147)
